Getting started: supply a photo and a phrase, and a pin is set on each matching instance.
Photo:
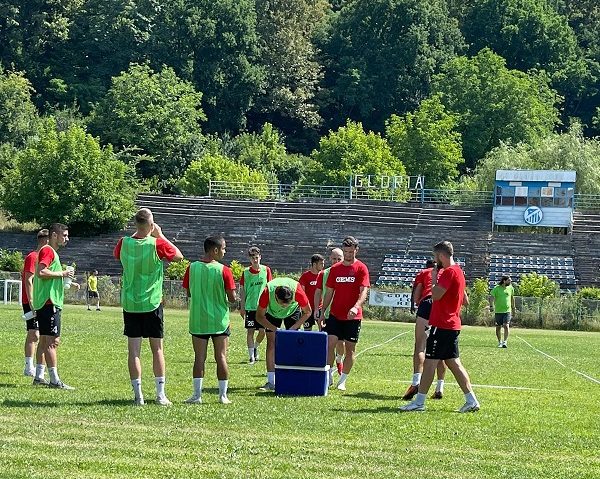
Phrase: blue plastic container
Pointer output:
(301, 348)
(301, 382)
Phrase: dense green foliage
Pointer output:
(177, 269)
(264, 83)
(11, 260)
(67, 177)
(536, 285)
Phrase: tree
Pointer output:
(534, 285)
(156, 112)
(380, 56)
(217, 167)
(531, 34)
(289, 60)
(67, 177)
(494, 103)
(350, 151)
(558, 151)
(214, 44)
(427, 143)
(18, 115)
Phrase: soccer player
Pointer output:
(335, 257)
(48, 299)
(502, 301)
(448, 294)
(283, 301)
(308, 281)
(33, 334)
(211, 288)
(421, 296)
(347, 289)
(253, 281)
(141, 256)
(92, 293)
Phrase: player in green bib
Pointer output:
(141, 256)
(502, 301)
(281, 302)
(336, 256)
(211, 288)
(49, 285)
(253, 281)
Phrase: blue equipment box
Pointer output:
(291, 381)
(301, 348)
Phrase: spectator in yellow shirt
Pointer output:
(92, 290)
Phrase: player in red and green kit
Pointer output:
(308, 281)
(141, 256)
(48, 300)
(281, 302)
(211, 288)
(335, 257)
(253, 281)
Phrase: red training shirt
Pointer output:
(308, 281)
(256, 271)
(164, 249)
(346, 282)
(423, 278)
(28, 267)
(299, 297)
(227, 278)
(445, 312)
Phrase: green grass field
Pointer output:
(550, 430)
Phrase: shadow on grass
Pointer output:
(381, 409)
(373, 396)
(29, 404)
(7, 385)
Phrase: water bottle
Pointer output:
(68, 280)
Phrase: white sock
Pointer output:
(160, 386)
(54, 375)
(251, 353)
(330, 375)
(416, 379)
(339, 358)
(223, 383)
(271, 377)
(440, 385)
(197, 382)
(470, 397)
(420, 399)
(28, 362)
(343, 378)
(39, 371)
(136, 384)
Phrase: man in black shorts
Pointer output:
(449, 295)
(347, 289)
(141, 256)
(31, 322)
(281, 302)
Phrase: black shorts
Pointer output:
(287, 322)
(424, 308)
(442, 344)
(144, 325)
(344, 330)
(250, 321)
(227, 332)
(48, 319)
(31, 324)
(502, 318)
(310, 322)
(92, 294)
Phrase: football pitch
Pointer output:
(539, 417)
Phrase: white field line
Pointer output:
(493, 386)
(589, 378)
(379, 345)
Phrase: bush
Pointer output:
(217, 167)
(589, 293)
(67, 177)
(176, 269)
(11, 260)
(237, 269)
(477, 310)
(537, 286)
